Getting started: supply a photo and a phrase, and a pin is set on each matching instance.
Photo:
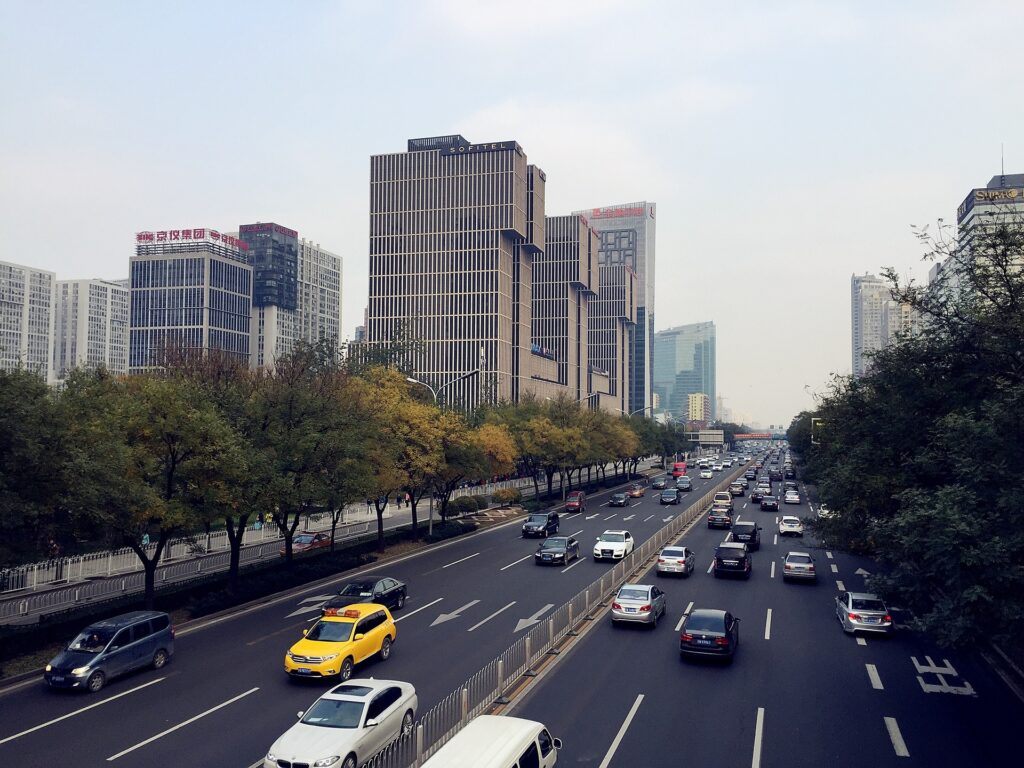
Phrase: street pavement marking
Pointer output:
(636, 505)
(712, 565)
(464, 559)
(683, 617)
(603, 505)
(577, 532)
(590, 517)
(861, 641)
(647, 518)
(319, 600)
(828, 555)
(744, 505)
(775, 538)
(481, 623)
(578, 561)
(174, 728)
(773, 569)
(457, 613)
(840, 586)
(629, 517)
(80, 711)
(622, 732)
(896, 737)
(410, 613)
(755, 761)
(768, 625)
(876, 681)
(835, 568)
(570, 517)
(517, 562)
(613, 514)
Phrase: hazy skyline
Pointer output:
(787, 145)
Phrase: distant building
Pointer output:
(685, 362)
(876, 319)
(27, 318)
(699, 407)
(91, 326)
(191, 293)
(612, 319)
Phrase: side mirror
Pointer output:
(300, 713)
(304, 632)
(371, 722)
(557, 743)
(359, 636)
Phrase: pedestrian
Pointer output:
(145, 539)
(408, 500)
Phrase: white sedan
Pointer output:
(613, 545)
(716, 467)
(706, 474)
(347, 725)
(791, 497)
(790, 526)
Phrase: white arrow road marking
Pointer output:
(423, 608)
(319, 600)
(535, 619)
(666, 519)
(590, 517)
(505, 567)
(862, 572)
(481, 623)
(628, 518)
(876, 681)
(443, 617)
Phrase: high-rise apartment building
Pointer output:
(27, 317)
(191, 292)
(627, 233)
(454, 228)
(868, 296)
(685, 363)
(612, 320)
(91, 328)
(699, 407)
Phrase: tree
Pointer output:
(469, 454)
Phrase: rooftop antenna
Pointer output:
(1002, 166)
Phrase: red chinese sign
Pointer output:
(177, 235)
(615, 213)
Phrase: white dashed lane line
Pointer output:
(755, 761)
(840, 586)
(773, 569)
(622, 732)
(828, 555)
(683, 617)
(896, 737)
(835, 568)
(768, 625)
(876, 681)
(506, 567)
(861, 641)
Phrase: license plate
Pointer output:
(872, 620)
(547, 557)
(57, 678)
(631, 610)
(705, 642)
(303, 671)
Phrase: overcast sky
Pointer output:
(787, 145)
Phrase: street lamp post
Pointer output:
(436, 394)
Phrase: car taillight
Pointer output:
(661, 559)
(810, 567)
(721, 641)
(645, 608)
(788, 567)
(853, 616)
(616, 606)
(686, 637)
(888, 617)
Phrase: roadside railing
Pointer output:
(488, 687)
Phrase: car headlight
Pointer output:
(332, 657)
(271, 757)
(49, 668)
(326, 761)
(79, 671)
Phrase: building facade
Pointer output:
(685, 363)
(699, 407)
(27, 318)
(191, 293)
(273, 252)
(454, 229)
(91, 328)
(627, 233)
(613, 314)
(868, 296)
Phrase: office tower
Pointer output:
(564, 282)
(684, 364)
(191, 292)
(699, 407)
(92, 326)
(627, 233)
(27, 317)
(868, 295)
(454, 228)
(613, 315)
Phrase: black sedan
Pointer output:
(669, 496)
(389, 592)
(618, 500)
(659, 484)
(756, 495)
(707, 632)
(557, 550)
(770, 503)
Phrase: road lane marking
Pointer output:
(481, 623)
(80, 711)
(570, 517)
(578, 561)
(174, 728)
(712, 565)
(590, 517)
(861, 641)
(840, 586)
(647, 518)
(577, 532)
(462, 560)
(411, 613)
(896, 737)
(683, 617)
(613, 514)
(622, 732)
(775, 539)
(828, 555)
(876, 681)
(835, 568)
(443, 617)
(535, 619)
(630, 517)
(773, 569)
(517, 562)
(603, 505)
(744, 505)
(755, 761)
(635, 505)
(768, 625)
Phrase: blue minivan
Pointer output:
(113, 647)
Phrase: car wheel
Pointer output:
(385, 649)
(654, 620)
(346, 669)
(350, 762)
(159, 659)
(96, 681)
(407, 723)
(401, 600)
(714, 572)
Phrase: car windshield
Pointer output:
(538, 519)
(302, 539)
(358, 589)
(669, 494)
(860, 604)
(334, 713)
(798, 559)
(704, 623)
(331, 631)
(612, 537)
(743, 528)
(92, 640)
(553, 544)
(632, 593)
(574, 496)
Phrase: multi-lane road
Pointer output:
(799, 689)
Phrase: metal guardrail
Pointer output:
(487, 688)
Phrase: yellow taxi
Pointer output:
(636, 491)
(335, 644)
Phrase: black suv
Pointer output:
(732, 558)
(790, 473)
(747, 533)
(756, 495)
(774, 474)
(542, 524)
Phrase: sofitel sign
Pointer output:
(472, 149)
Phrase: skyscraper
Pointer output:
(868, 295)
(454, 228)
(699, 407)
(612, 319)
(627, 233)
(91, 327)
(27, 317)
(191, 292)
(684, 364)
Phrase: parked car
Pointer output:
(747, 533)
(613, 545)
(347, 725)
(110, 648)
(798, 565)
(862, 612)
(709, 632)
(576, 501)
(618, 500)
(542, 524)
(676, 560)
(733, 559)
(641, 603)
(386, 591)
(307, 542)
(558, 550)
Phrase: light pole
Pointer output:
(641, 410)
(436, 393)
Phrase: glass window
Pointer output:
(530, 758)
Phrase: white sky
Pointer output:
(787, 145)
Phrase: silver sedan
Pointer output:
(862, 612)
(676, 560)
(642, 603)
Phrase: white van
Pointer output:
(494, 741)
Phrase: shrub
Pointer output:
(482, 502)
(462, 505)
(507, 496)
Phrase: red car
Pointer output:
(308, 542)
(576, 501)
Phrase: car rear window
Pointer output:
(704, 624)
(798, 559)
(632, 594)
(868, 605)
(743, 527)
(673, 552)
